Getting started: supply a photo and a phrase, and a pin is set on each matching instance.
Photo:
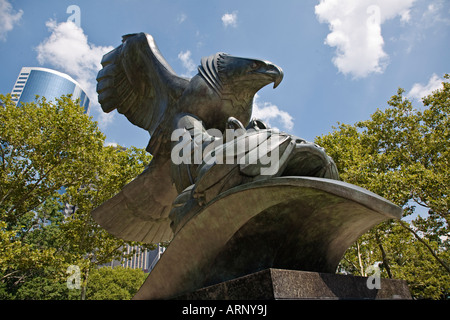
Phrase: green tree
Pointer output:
(402, 154)
(115, 284)
(45, 286)
(105, 283)
(52, 154)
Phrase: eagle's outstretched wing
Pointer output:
(138, 82)
(140, 211)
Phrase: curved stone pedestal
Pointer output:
(294, 223)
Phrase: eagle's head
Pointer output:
(236, 80)
(251, 73)
(226, 73)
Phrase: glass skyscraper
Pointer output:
(47, 83)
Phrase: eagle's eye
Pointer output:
(254, 65)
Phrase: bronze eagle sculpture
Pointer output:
(138, 82)
(258, 199)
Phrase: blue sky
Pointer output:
(341, 59)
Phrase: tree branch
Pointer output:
(8, 275)
(446, 267)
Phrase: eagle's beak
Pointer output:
(270, 71)
(276, 73)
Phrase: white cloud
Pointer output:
(181, 18)
(67, 49)
(355, 31)
(230, 19)
(436, 12)
(405, 16)
(111, 144)
(187, 62)
(270, 113)
(8, 18)
(418, 90)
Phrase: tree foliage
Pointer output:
(115, 284)
(105, 283)
(402, 154)
(53, 155)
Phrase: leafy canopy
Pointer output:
(53, 157)
(402, 154)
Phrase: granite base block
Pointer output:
(279, 284)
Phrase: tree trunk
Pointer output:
(84, 286)
(360, 261)
(383, 255)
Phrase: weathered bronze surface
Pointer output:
(230, 205)
(138, 82)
